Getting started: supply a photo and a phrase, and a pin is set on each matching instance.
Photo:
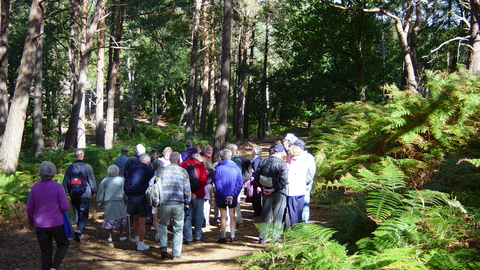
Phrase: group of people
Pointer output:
(191, 184)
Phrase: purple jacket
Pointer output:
(228, 180)
(45, 204)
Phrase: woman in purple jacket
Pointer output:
(45, 204)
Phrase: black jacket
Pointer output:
(276, 168)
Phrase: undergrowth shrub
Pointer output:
(377, 160)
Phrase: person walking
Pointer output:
(112, 197)
(228, 185)
(136, 183)
(176, 197)
(46, 202)
(79, 182)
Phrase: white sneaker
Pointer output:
(122, 238)
(142, 246)
(109, 240)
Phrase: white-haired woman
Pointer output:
(166, 156)
(112, 196)
(46, 202)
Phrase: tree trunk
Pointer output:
(191, 100)
(248, 98)
(263, 121)
(10, 149)
(38, 141)
(71, 136)
(221, 134)
(99, 116)
(241, 76)
(474, 59)
(4, 21)
(213, 68)
(113, 74)
(205, 80)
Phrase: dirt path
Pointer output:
(19, 248)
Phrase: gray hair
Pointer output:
(257, 149)
(225, 154)
(113, 170)
(233, 147)
(156, 164)
(47, 170)
(145, 158)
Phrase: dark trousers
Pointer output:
(257, 204)
(295, 208)
(45, 238)
(81, 207)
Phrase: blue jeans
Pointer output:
(176, 212)
(44, 237)
(81, 207)
(194, 216)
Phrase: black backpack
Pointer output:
(77, 185)
(246, 168)
(193, 175)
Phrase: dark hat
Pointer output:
(124, 149)
(299, 143)
(278, 148)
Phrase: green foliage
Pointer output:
(13, 188)
(376, 161)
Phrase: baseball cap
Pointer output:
(299, 143)
(124, 149)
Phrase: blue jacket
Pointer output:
(228, 180)
(138, 177)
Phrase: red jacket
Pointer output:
(201, 172)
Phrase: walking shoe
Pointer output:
(222, 240)
(122, 238)
(142, 246)
(233, 239)
(109, 240)
(177, 258)
(187, 242)
(198, 240)
(166, 255)
(77, 236)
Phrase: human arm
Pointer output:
(311, 168)
(62, 200)
(100, 193)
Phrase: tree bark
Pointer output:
(205, 80)
(39, 143)
(263, 122)
(113, 74)
(192, 78)
(241, 75)
(248, 98)
(99, 115)
(474, 59)
(71, 136)
(10, 149)
(221, 134)
(213, 69)
(4, 21)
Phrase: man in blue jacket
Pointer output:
(228, 184)
(136, 183)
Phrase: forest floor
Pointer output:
(19, 248)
